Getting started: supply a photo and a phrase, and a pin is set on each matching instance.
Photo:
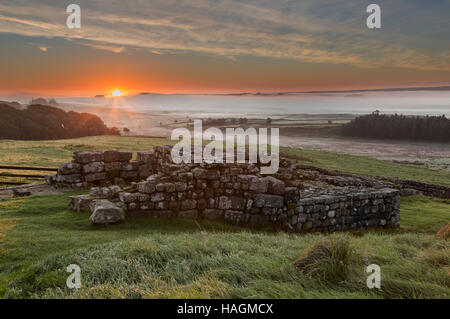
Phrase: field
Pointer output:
(157, 258)
(53, 153)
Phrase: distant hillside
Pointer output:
(43, 122)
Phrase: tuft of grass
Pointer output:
(330, 259)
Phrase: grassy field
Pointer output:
(156, 258)
(53, 153)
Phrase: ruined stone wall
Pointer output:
(88, 169)
(239, 194)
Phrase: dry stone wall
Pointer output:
(234, 193)
(101, 168)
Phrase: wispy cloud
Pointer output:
(326, 31)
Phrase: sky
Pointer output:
(221, 46)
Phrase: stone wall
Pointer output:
(239, 194)
(88, 169)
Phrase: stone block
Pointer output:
(105, 212)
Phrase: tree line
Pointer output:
(382, 126)
(43, 122)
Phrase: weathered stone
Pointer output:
(147, 187)
(292, 195)
(212, 174)
(105, 212)
(266, 200)
(213, 214)
(112, 166)
(80, 203)
(234, 216)
(199, 173)
(180, 186)
(94, 167)
(188, 204)
(69, 168)
(258, 184)
(224, 202)
(125, 156)
(128, 197)
(111, 156)
(131, 166)
(275, 186)
(69, 179)
(155, 197)
(237, 203)
(88, 157)
(95, 177)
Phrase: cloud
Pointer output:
(327, 31)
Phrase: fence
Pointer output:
(21, 178)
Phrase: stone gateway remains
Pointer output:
(297, 198)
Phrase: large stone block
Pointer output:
(69, 168)
(237, 203)
(111, 156)
(131, 166)
(81, 203)
(113, 166)
(292, 195)
(188, 204)
(147, 187)
(125, 156)
(156, 197)
(94, 167)
(275, 186)
(199, 173)
(68, 179)
(146, 156)
(105, 212)
(223, 202)
(267, 200)
(129, 197)
(88, 157)
(258, 184)
(90, 178)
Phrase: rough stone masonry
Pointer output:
(294, 199)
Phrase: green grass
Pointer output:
(365, 166)
(53, 153)
(157, 258)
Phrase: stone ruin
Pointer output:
(297, 198)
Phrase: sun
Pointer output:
(116, 93)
